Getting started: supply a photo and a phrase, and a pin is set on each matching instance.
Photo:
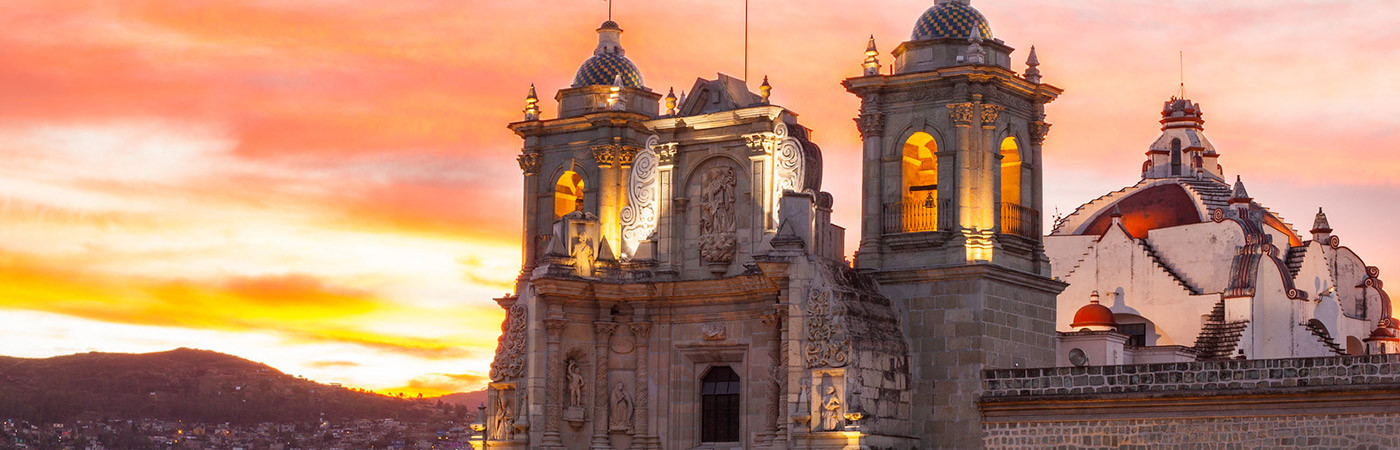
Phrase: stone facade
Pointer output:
(1369, 431)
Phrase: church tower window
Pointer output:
(719, 406)
(1176, 157)
(568, 194)
(918, 210)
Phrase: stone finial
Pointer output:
(765, 90)
(974, 53)
(605, 252)
(1321, 230)
(615, 101)
(610, 39)
(532, 107)
(671, 102)
(1239, 195)
(1033, 67)
(872, 58)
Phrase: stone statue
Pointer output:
(831, 410)
(621, 409)
(575, 384)
(717, 215)
(502, 420)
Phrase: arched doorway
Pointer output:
(568, 194)
(918, 207)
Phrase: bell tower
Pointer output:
(952, 210)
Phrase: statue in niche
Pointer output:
(621, 409)
(575, 384)
(717, 215)
(502, 420)
(583, 251)
(831, 410)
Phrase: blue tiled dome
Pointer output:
(951, 20)
(602, 68)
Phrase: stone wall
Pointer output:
(1339, 402)
(1310, 431)
(1195, 376)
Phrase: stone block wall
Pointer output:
(1336, 402)
(1195, 376)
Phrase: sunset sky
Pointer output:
(328, 186)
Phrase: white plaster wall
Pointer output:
(1200, 253)
(1065, 252)
(1130, 283)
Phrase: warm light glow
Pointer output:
(920, 166)
(568, 194)
(1010, 171)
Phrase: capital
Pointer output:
(529, 162)
(961, 113)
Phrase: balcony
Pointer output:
(915, 216)
(1020, 220)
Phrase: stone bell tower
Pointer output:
(952, 210)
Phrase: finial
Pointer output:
(1320, 225)
(532, 108)
(1239, 195)
(615, 94)
(765, 90)
(1033, 67)
(974, 54)
(872, 60)
(1094, 297)
(671, 102)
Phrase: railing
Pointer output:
(914, 216)
(1020, 221)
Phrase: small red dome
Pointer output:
(1389, 330)
(1093, 315)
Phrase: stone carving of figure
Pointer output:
(502, 420)
(717, 215)
(831, 410)
(621, 409)
(575, 384)
(583, 252)
(717, 201)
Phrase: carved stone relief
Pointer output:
(510, 349)
(830, 409)
(622, 408)
(529, 162)
(961, 113)
(639, 217)
(713, 332)
(575, 383)
(502, 426)
(827, 344)
(787, 166)
(717, 215)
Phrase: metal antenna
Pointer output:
(1181, 63)
(746, 41)
(609, 9)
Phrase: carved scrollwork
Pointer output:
(990, 113)
(666, 153)
(640, 217)
(1039, 130)
(961, 113)
(827, 344)
(871, 125)
(510, 349)
(529, 162)
(788, 166)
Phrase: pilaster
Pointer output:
(602, 332)
(554, 385)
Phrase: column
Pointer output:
(666, 159)
(530, 162)
(602, 332)
(641, 436)
(969, 178)
(554, 383)
(872, 127)
(608, 205)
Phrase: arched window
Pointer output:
(568, 194)
(719, 405)
(1010, 171)
(1176, 156)
(917, 209)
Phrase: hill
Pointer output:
(184, 384)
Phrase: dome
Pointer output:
(609, 61)
(1093, 315)
(603, 69)
(953, 19)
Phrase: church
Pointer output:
(683, 286)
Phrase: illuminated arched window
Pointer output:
(1176, 156)
(918, 206)
(1010, 171)
(568, 194)
(719, 405)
